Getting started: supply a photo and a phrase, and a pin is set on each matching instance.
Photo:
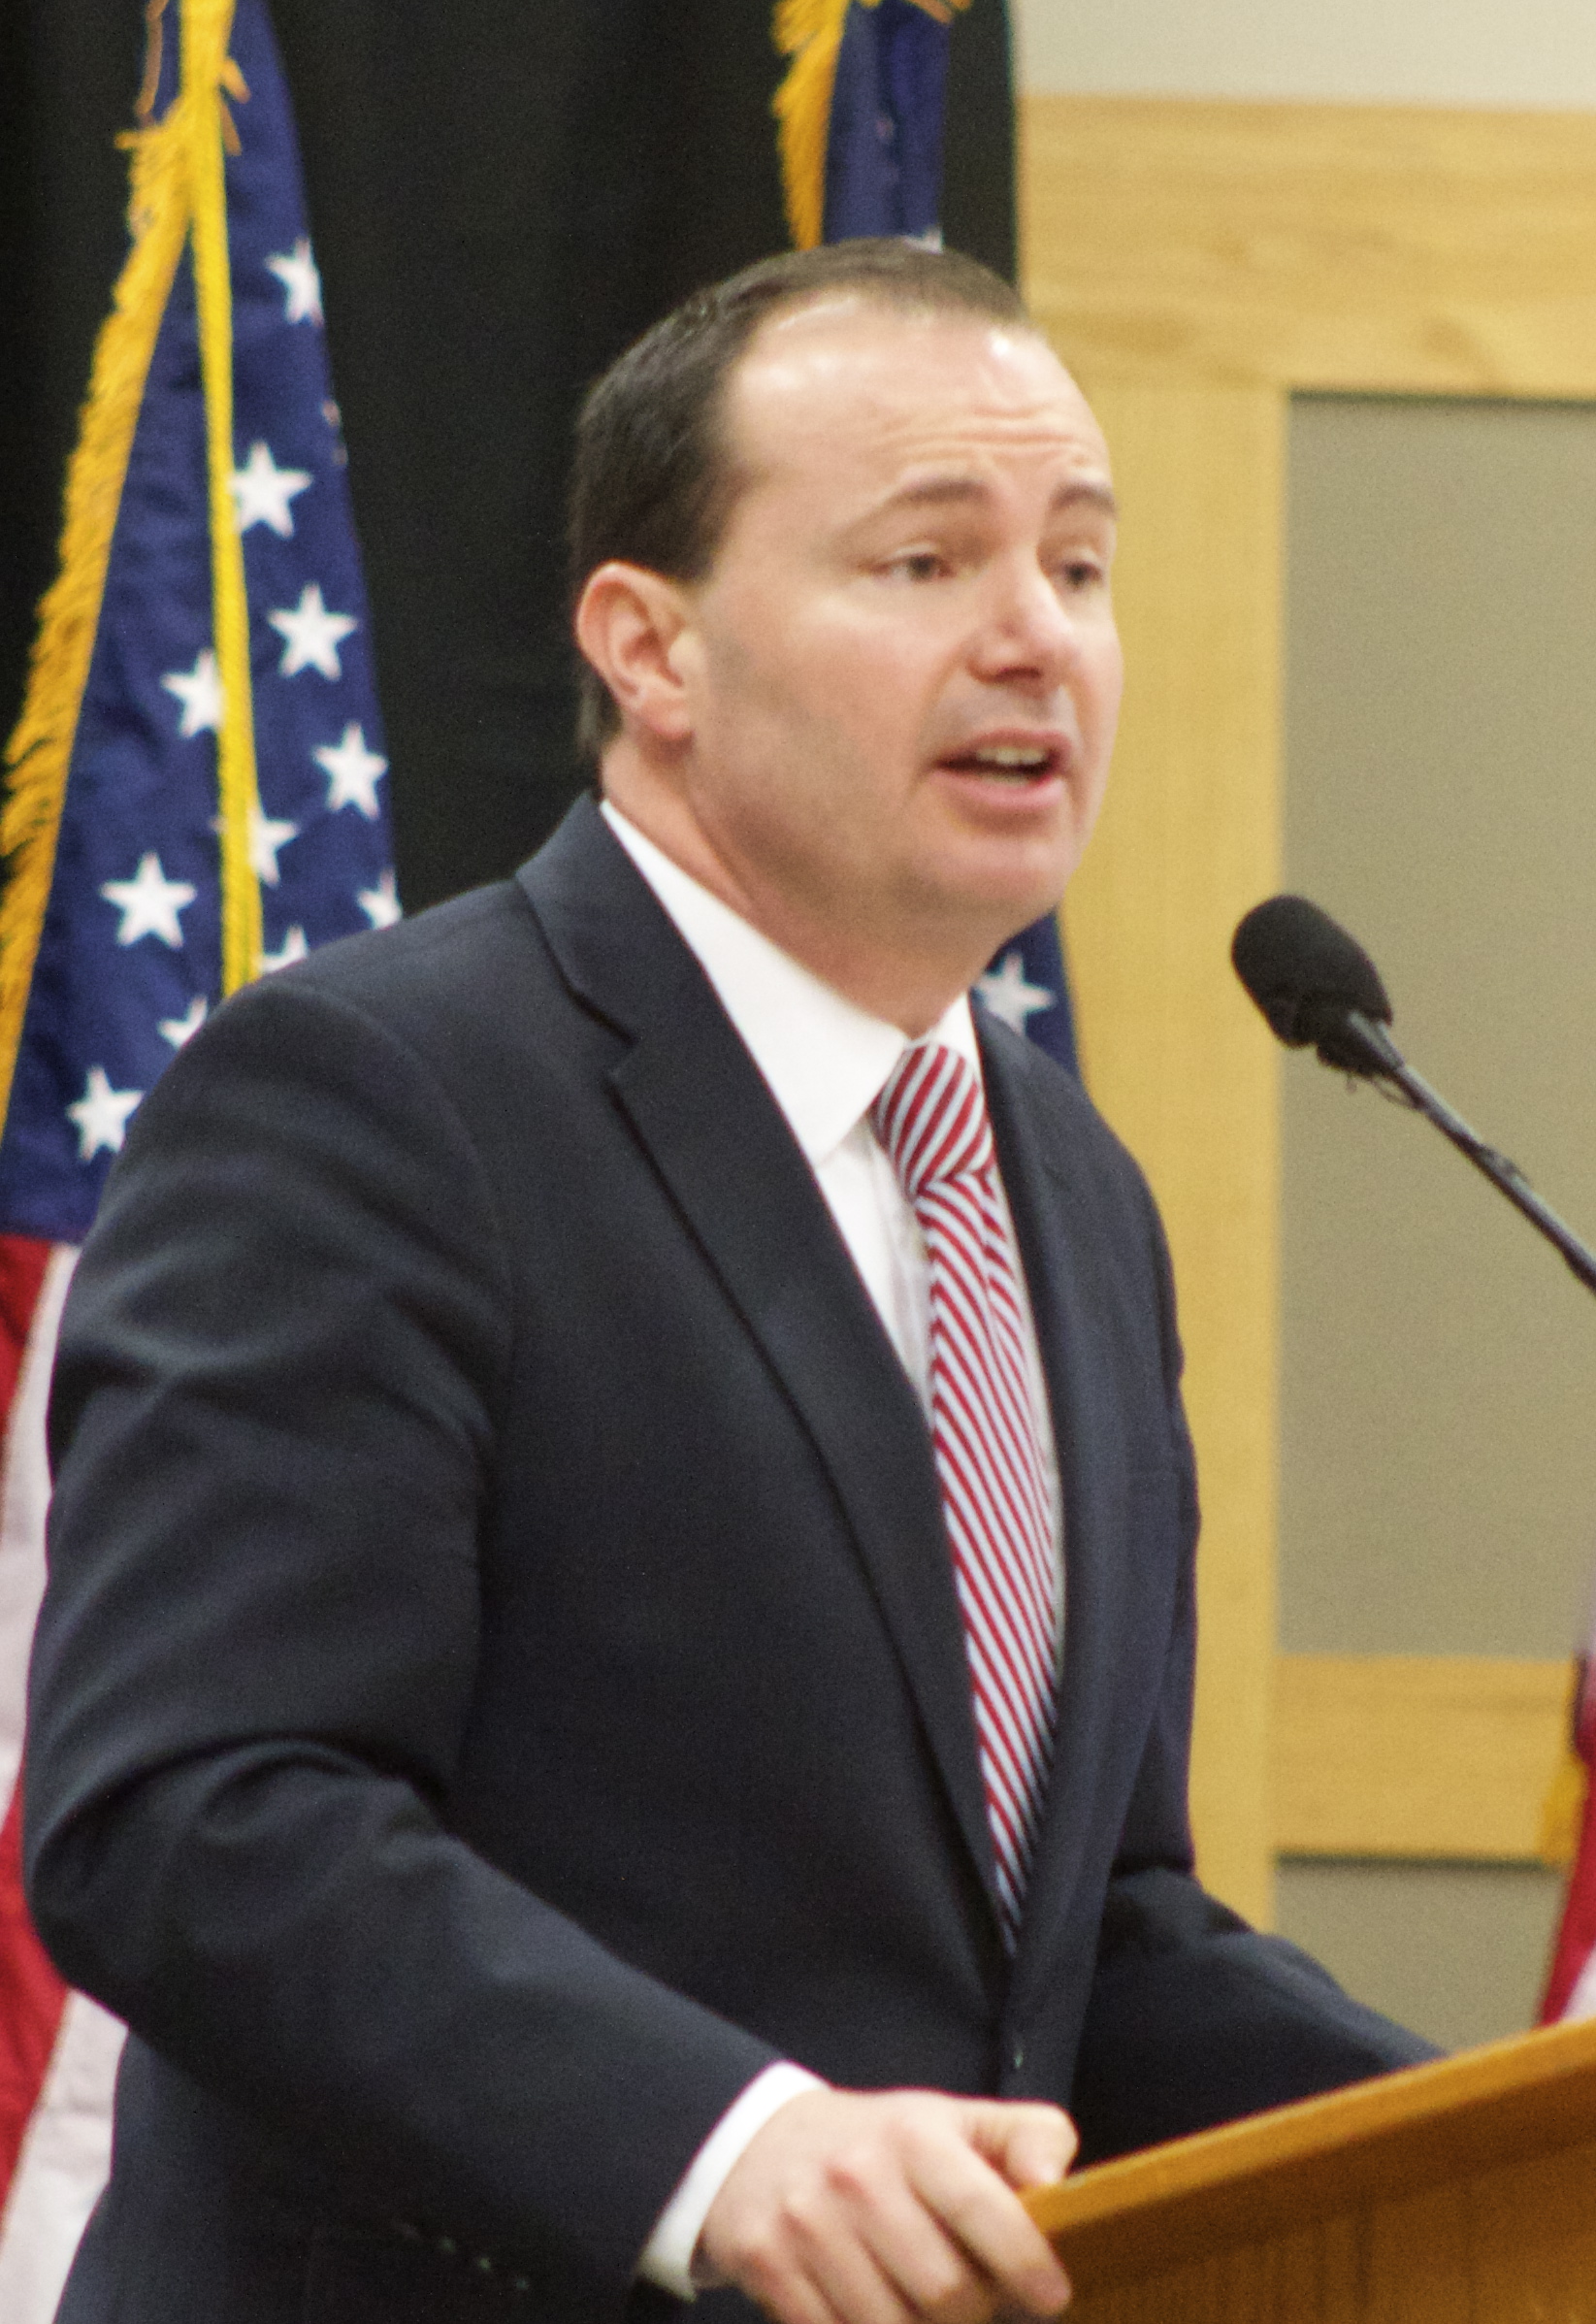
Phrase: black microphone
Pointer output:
(1316, 986)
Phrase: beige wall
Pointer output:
(1370, 51)
(1438, 1364)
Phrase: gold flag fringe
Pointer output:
(1562, 1812)
(810, 33)
(39, 751)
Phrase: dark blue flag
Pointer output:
(884, 139)
(198, 791)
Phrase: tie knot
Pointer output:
(931, 1119)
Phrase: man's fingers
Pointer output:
(891, 2207)
(929, 2270)
(1030, 2145)
(790, 2296)
(775, 2265)
(857, 2272)
(850, 2227)
(970, 2187)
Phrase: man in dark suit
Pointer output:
(510, 1734)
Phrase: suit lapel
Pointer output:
(703, 1112)
(1060, 1238)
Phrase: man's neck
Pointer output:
(911, 989)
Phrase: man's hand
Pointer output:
(882, 2207)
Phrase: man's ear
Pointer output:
(629, 622)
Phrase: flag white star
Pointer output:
(101, 1115)
(262, 492)
(293, 948)
(1008, 996)
(149, 903)
(380, 904)
(297, 271)
(266, 838)
(266, 841)
(311, 634)
(351, 770)
(199, 690)
(179, 1030)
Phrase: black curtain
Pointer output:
(502, 193)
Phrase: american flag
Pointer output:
(114, 829)
(862, 113)
(1571, 1978)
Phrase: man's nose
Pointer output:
(1030, 630)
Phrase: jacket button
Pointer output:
(482, 2263)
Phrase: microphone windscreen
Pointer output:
(1304, 971)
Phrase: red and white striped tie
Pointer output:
(931, 1119)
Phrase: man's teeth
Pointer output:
(1011, 757)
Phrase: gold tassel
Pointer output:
(39, 751)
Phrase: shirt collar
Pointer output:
(824, 1058)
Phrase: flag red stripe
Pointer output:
(32, 1998)
(23, 1259)
(1575, 1939)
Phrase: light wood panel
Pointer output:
(1397, 249)
(1414, 1755)
(1188, 840)
(1196, 264)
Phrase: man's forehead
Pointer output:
(866, 378)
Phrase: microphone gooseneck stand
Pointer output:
(1361, 1045)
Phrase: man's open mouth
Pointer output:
(1010, 761)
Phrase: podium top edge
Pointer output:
(1397, 2133)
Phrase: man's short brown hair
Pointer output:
(652, 482)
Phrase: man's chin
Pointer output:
(1012, 874)
(975, 929)
(1009, 899)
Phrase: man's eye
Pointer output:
(917, 565)
(1081, 573)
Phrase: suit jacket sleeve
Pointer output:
(256, 1658)
(1194, 2017)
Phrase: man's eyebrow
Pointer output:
(940, 492)
(1091, 489)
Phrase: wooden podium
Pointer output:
(1458, 2193)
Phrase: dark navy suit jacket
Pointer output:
(501, 1682)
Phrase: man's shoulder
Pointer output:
(549, 973)
(457, 986)
(1054, 1104)
(425, 959)
(576, 924)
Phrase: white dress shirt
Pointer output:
(825, 1062)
